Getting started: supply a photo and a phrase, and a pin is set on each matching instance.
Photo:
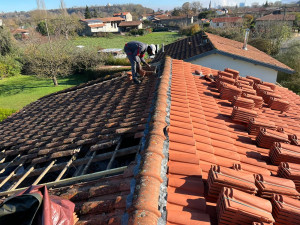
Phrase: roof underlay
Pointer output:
(195, 156)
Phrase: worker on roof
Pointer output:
(135, 52)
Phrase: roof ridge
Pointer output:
(144, 209)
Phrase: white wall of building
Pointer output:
(108, 27)
(220, 62)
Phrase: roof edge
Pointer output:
(146, 194)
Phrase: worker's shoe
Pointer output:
(136, 80)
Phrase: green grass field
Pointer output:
(18, 91)
(118, 41)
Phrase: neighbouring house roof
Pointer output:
(277, 17)
(19, 31)
(194, 47)
(166, 17)
(111, 19)
(129, 23)
(226, 19)
(188, 128)
(121, 13)
(104, 20)
(96, 25)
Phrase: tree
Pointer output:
(186, 8)
(95, 14)
(87, 13)
(45, 29)
(291, 57)
(58, 59)
(50, 60)
(176, 12)
(6, 41)
(66, 24)
(196, 7)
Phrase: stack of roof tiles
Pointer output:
(278, 104)
(235, 73)
(268, 84)
(266, 138)
(286, 211)
(246, 88)
(268, 185)
(282, 152)
(268, 96)
(290, 171)
(237, 207)
(255, 124)
(244, 79)
(223, 79)
(242, 115)
(258, 100)
(243, 102)
(255, 79)
(260, 89)
(228, 91)
(219, 177)
(222, 74)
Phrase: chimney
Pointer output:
(246, 39)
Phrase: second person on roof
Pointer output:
(135, 52)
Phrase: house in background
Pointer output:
(20, 34)
(125, 15)
(129, 25)
(219, 53)
(98, 25)
(275, 19)
(226, 22)
(166, 20)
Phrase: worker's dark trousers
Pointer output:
(134, 64)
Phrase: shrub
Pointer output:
(140, 32)
(190, 30)
(4, 113)
(9, 66)
(112, 61)
(85, 59)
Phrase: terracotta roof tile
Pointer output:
(188, 129)
(203, 123)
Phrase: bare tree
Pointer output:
(196, 7)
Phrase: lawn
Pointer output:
(18, 91)
(118, 41)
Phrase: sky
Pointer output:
(27, 5)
